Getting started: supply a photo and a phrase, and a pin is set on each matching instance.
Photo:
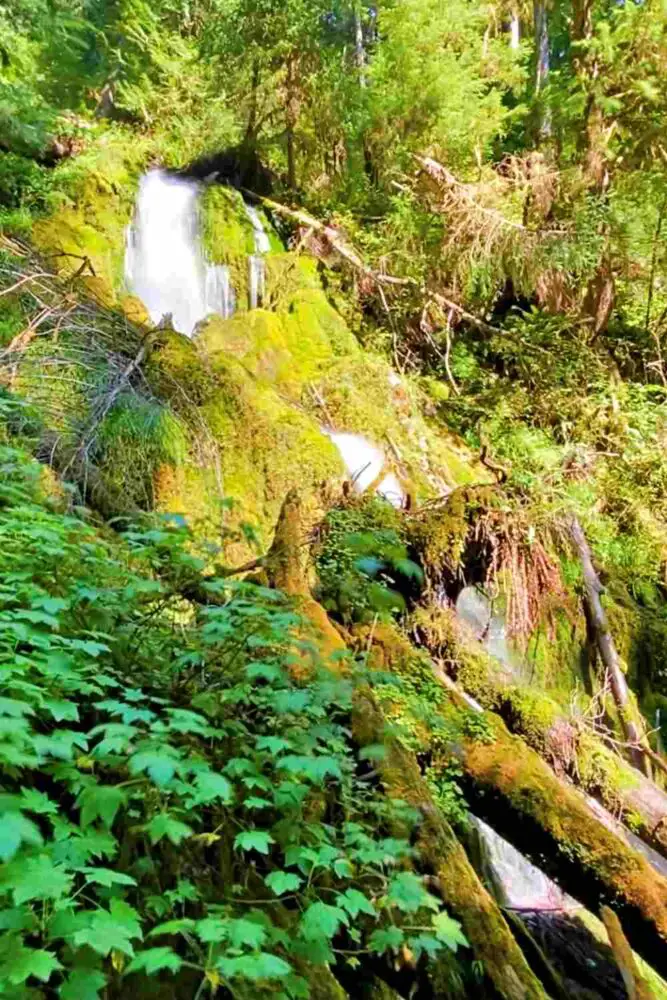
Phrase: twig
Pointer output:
(25, 279)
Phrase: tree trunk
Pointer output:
(359, 48)
(629, 716)
(291, 117)
(541, 23)
(461, 889)
(551, 822)
(253, 115)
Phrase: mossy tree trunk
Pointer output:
(463, 893)
(551, 822)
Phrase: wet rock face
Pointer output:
(488, 625)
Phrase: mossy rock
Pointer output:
(281, 349)
(362, 394)
(97, 194)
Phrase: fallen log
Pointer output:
(563, 741)
(483, 923)
(628, 714)
(439, 849)
(637, 987)
(550, 821)
(511, 787)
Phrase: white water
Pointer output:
(518, 883)
(490, 628)
(364, 462)
(164, 262)
(256, 262)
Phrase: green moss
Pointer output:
(91, 211)
(227, 235)
(362, 394)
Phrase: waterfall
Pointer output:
(257, 262)
(364, 462)
(517, 883)
(490, 628)
(220, 296)
(164, 262)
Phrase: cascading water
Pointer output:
(490, 628)
(364, 462)
(257, 262)
(164, 263)
(517, 883)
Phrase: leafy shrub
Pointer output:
(173, 800)
(362, 562)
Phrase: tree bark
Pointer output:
(551, 822)
(291, 117)
(461, 890)
(637, 988)
(632, 728)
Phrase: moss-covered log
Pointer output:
(550, 821)
(563, 741)
(461, 889)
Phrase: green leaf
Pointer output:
(62, 710)
(110, 930)
(253, 967)
(246, 934)
(107, 877)
(173, 927)
(263, 671)
(100, 801)
(254, 840)
(210, 787)
(160, 767)
(386, 939)
(38, 802)
(280, 882)
(83, 984)
(254, 802)
(154, 960)
(26, 962)
(321, 920)
(425, 943)
(274, 744)
(15, 708)
(355, 903)
(315, 768)
(164, 825)
(407, 892)
(449, 931)
(17, 829)
(212, 930)
(36, 878)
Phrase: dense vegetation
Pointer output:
(468, 262)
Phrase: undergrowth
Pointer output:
(174, 802)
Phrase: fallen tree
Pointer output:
(462, 891)
(567, 743)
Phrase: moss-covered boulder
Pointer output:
(95, 204)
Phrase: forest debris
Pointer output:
(637, 987)
(599, 625)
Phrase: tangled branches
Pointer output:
(84, 369)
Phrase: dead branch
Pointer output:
(630, 721)
(26, 278)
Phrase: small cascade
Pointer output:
(256, 261)
(220, 296)
(516, 882)
(364, 462)
(489, 627)
(164, 262)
